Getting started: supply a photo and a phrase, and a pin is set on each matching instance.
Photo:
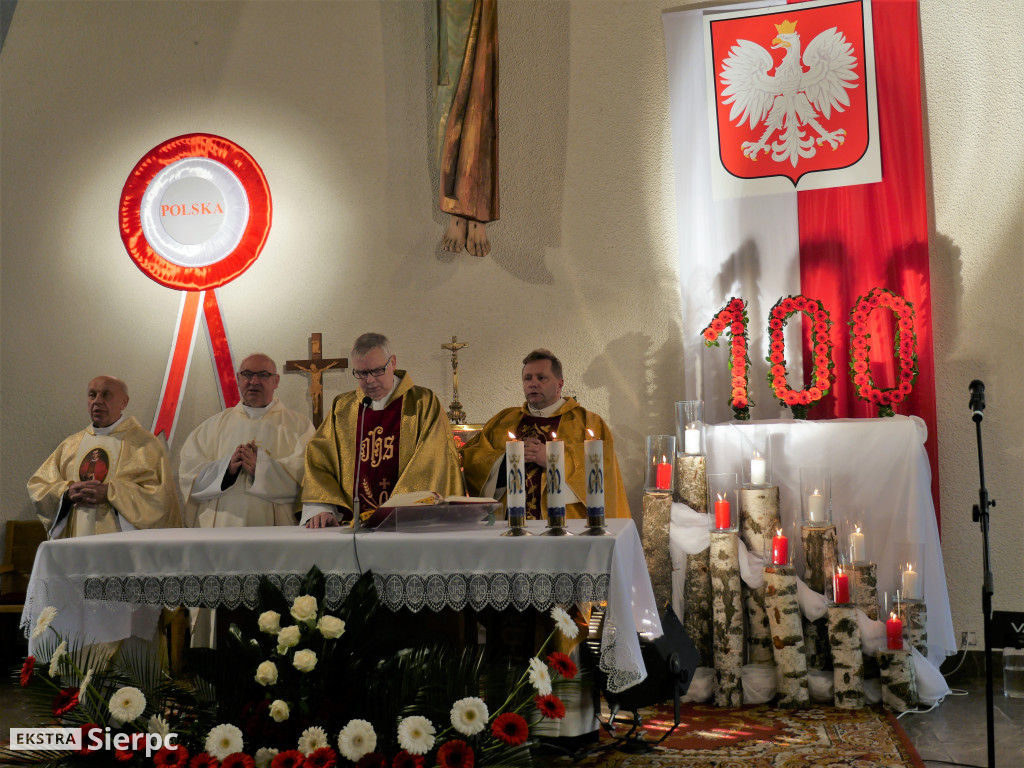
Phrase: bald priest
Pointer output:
(112, 476)
(544, 414)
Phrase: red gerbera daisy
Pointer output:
(291, 758)
(405, 760)
(455, 754)
(27, 669)
(67, 699)
(371, 760)
(238, 760)
(511, 728)
(562, 664)
(325, 757)
(550, 706)
(205, 760)
(124, 755)
(171, 757)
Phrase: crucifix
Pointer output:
(315, 367)
(455, 413)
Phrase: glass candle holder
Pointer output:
(816, 496)
(661, 451)
(723, 502)
(757, 466)
(780, 546)
(911, 581)
(856, 540)
(690, 427)
(838, 589)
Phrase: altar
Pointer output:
(113, 586)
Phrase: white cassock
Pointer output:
(269, 498)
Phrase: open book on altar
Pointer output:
(418, 510)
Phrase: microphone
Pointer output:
(356, 521)
(977, 404)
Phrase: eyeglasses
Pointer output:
(250, 375)
(375, 372)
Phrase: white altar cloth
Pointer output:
(112, 586)
(880, 474)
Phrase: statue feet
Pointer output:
(455, 237)
(464, 233)
(476, 239)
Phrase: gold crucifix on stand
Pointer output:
(456, 415)
(315, 367)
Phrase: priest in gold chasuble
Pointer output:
(544, 413)
(405, 441)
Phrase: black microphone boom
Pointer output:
(977, 404)
(356, 521)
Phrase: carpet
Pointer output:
(762, 736)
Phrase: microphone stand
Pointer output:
(981, 515)
(357, 522)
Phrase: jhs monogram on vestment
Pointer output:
(375, 448)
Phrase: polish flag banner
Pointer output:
(835, 245)
(791, 98)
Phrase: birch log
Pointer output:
(657, 513)
(727, 619)
(914, 615)
(820, 559)
(759, 521)
(787, 635)
(692, 482)
(864, 588)
(899, 680)
(697, 605)
(847, 656)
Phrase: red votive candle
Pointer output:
(780, 550)
(841, 587)
(894, 633)
(723, 518)
(663, 480)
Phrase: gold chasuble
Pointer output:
(141, 491)
(571, 422)
(412, 427)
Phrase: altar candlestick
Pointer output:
(758, 470)
(723, 518)
(593, 452)
(894, 633)
(515, 478)
(663, 479)
(841, 587)
(858, 553)
(816, 507)
(691, 439)
(780, 549)
(910, 583)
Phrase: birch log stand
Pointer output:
(692, 490)
(787, 635)
(899, 680)
(759, 521)
(847, 655)
(864, 588)
(657, 513)
(914, 615)
(727, 618)
(820, 560)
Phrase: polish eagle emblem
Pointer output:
(806, 86)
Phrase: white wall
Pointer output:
(334, 101)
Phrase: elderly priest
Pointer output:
(112, 476)
(390, 434)
(243, 466)
(544, 414)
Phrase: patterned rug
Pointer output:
(761, 736)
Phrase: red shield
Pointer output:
(792, 102)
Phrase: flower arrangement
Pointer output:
(799, 401)
(732, 319)
(904, 348)
(297, 687)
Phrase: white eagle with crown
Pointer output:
(791, 97)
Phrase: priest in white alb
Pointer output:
(244, 465)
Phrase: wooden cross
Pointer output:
(456, 415)
(315, 367)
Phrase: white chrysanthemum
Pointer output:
(270, 622)
(357, 739)
(312, 739)
(287, 638)
(416, 735)
(266, 673)
(85, 681)
(55, 659)
(223, 740)
(127, 704)
(264, 757)
(279, 711)
(304, 660)
(331, 627)
(304, 608)
(158, 725)
(540, 678)
(565, 623)
(46, 617)
(469, 715)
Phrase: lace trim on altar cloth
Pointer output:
(411, 591)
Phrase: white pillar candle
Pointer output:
(691, 440)
(556, 474)
(593, 453)
(858, 550)
(515, 474)
(758, 470)
(911, 584)
(816, 507)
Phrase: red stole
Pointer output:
(541, 428)
(378, 454)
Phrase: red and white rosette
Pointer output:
(195, 213)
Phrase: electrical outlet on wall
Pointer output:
(968, 639)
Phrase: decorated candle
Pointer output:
(723, 517)
(758, 470)
(556, 476)
(663, 480)
(841, 587)
(911, 583)
(593, 456)
(691, 439)
(858, 551)
(515, 478)
(780, 549)
(816, 507)
(894, 633)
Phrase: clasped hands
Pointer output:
(535, 451)
(88, 492)
(244, 458)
